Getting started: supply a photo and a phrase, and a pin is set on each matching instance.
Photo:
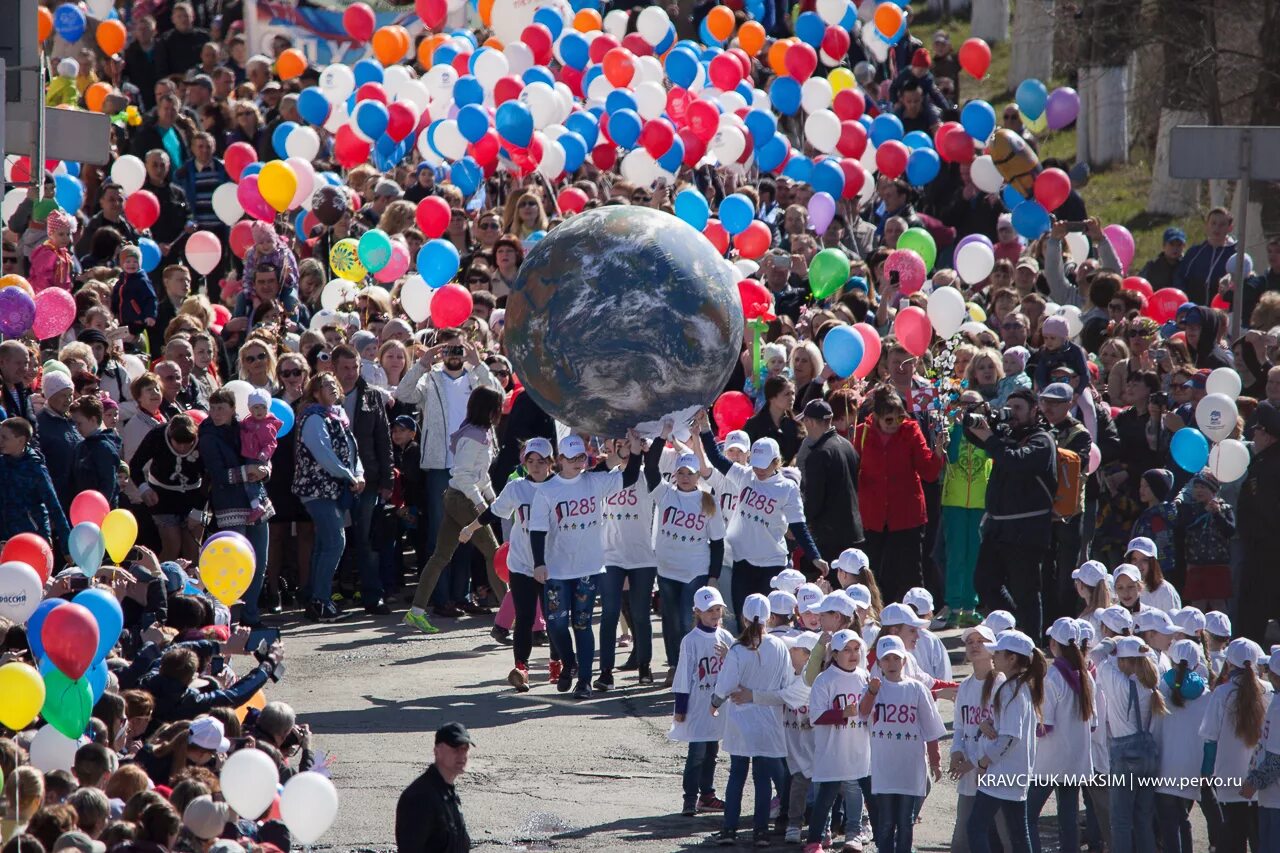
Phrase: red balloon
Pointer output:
(196, 415)
(754, 241)
(854, 177)
(350, 149)
(870, 350)
(604, 155)
(500, 567)
(853, 138)
(432, 12)
(462, 63)
(1140, 284)
(371, 91)
(241, 238)
(835, 43)
(30, 549)
(725, 72)
(600, 46)
(940, 138)
(432, 216)
(849, 104)
(635, 43)
(912, 328)
(716, 233)
(572, 200)
(88, 506)
(732, 410)
(485, 151)
(678, 101)
(1163, 306)
(657, 137)
(1221, 304)
(743, 59)
(142, 209)
(800, 60)
(572, 78)
(401, 120)
(891, 159)
(703, 119)
(757, 301)
(70, 638)
(359, 22)
(538, 39)
(507, 88)
(239, 155)
(1052, 188)
(975, 57)
(694, 148)
(450, 306)
(959, 147)
(619, 66)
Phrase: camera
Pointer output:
(456, 350)
(985, 416)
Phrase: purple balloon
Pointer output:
(822, 209)
(1062, 108)
(17, 311)
(231, 534)
(973, 238)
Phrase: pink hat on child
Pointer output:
(58, 220)
(262, 231)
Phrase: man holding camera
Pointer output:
(1017, 530)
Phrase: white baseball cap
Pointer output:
(707, 597)
(1086, 629)
(1013, 641)
(755, 609)
(538, 445)
(890, 645)
(787, 580)
(807, 595)
(1116, 618)
(1000, 621)
(1186, 651)
(802, 640)
(571, 446)
(900, 614)
(208, 733)
(1156, 620)
(852, 561)
(1217, 623)
(688, 462)
(1065, 630)
(860, 595)
(919, 598)
(1273, 662)
(836, 602)
(1242, 650)
(1090, 573)
(1128, 570)
(1130, 647)
(1190, 620)
(982, 631)
(764, 453)
(781, 603)
(737, 440)
(841, 639)
(1143, 545)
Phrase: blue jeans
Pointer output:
(766, 774)
(1268, 829)
(700, 768)
(259, 536)
(437, 482)
(677, 613)
(1068, 811)
(567, 606)
(891, 822)
(638, 597)
(1175, 829)
(982, 818)
(331, 539)
(362, 551)
(821, 816)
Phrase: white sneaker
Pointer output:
(793, 835)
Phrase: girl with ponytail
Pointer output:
(1186, 694)
(973, 708)
(1263, 780)
(1133, 701)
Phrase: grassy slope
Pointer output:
(1115, 194)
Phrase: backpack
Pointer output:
(1068, 495)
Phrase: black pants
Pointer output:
(1239, 827)
(525, 593)
(748, 579)
(1063, 558)
(1008, 577)
(897, 558)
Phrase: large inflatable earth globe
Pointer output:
(623, 315)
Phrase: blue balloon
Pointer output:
(773, 153)
(923, 166)
(746, 91)
(468, 90)
(885, 128)
(107, 613)
(575, 50)
(681, 67)
(473, 122)
(299, 222)
(281, 135)
(674, 158)
(466, 175)
(755, 8)
(762, 125)
(96, 675)
(332, 179)
(619, 99)
(284, 412)
(669, 39)
(68, 192)
(865, 121)
(827, 178)
(371, 118)
(917, 139)
(550, 19)
(850, 18)
(514, 123)
(1031, 98)
(367, 71)
(1190, 449)
(538, 74)
(73, 168)
(438, 262)
(736, 213)
(575, 150)
(36, 622)
(588, 77)
(843, 348)
(799, 168)
(1030, 219)
(1011, 197)
(692, 207)
(69, 21)
(624, 128)
(252, 169)
(978, 119)
(784, 94)
(810, 28)
(444, 54)
(464, 33)
(150, 253)
(84, 543)
(313, 106)
(585, 125)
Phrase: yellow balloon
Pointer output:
(841, 79)
(119, 532)
(345, 261)
(21, 695)
(278, 183)
(226, 567)
(976, 313)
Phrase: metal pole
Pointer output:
(3, 92)
(37, 168)
(1242, 217)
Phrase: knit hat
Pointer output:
(1057, 326)
(362, 339)
(921, 58)
(769, 351)
(1022, 354)
(54, 383)
(262, 231)
(1205, 478)
(1159, 481)
(58, 220)
(259, 397)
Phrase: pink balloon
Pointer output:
(1122, 242)
(870, 350)
(252, 201)
(910, 269)
(398, 264)
(55, 312)
(912, 328)
(306, 175)
(204, 252)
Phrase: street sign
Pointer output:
(77, 135)
(1201, 153)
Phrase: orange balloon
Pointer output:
(291, 63)
(777, 56)
(485, 8)
(387, 46)
(110, 36)
(96, 95)
(16, 281)
(720, 23)
(427, 48)
(494, 42)
(751, 37)
(406, 40)
(888, 19)
(44, 23)
(587, 20)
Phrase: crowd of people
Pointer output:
(1021, 479)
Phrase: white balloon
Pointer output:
(946, 311)
(130, 173)
(203, 261)
(308, 806)
(746, 267)
(439, 81)
(1224, 380)
(974, 262)
(394, 77)
(985, 175)
(567, 100)
(306, 175)
(832, 12)
(226, 204)
(415, 298)
(1071, 313)
(552, 162)
(542, 102)
(815, 94)
(598, 90)
(728, 144)
(640, 168)
(868, 158)
(652, 23)
(338, 116)
(100, 9)
(615, 23)
(335, 293)
(519, 57)
(52, 750)
(648, 69)
(651, 99)
(1229, 460)
(878, 47)
(21, 591)
(133, 366)
(1077, 246)
(509, 17)
(868, 186)
(303, 143)
(1216, 416)
(242, 390)
(490, 66)
(337, 82)
(732, 101)
(449, 141)
(416, 93)
(822, 129)
(249, 779)
(12, 200)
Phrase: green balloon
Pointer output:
(40, 210)
(828, 271)
(68, 703)
(921, 242)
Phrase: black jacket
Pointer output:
(178, 701)
(1024, 477)
(787, 434)
(94, 464)
(174, 210)
(429, 817)
(373, 435)
(526, 421)
(831, 494)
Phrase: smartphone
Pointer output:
(260, 636)
(216, 665)
(455, 350)
(1077, 226)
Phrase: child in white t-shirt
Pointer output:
(1186, 696)
(973, 708)
(1263, 781)
(853, 567)
(842, 743)
(929, 651)
(702, 652)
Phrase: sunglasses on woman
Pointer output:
(479, 279)
(254, 359)
(489, 226)
(291, 374)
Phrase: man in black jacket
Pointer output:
(830, 480)
(429, 812)
(1018, 528)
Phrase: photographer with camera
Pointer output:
(1017, 529)
(277, 724)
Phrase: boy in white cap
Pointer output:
(930, 653)
(701, 653)
(842, 747)
(1263, 781)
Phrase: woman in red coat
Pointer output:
(895, 459)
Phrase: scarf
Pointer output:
(471, 431)
(1069, 673)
